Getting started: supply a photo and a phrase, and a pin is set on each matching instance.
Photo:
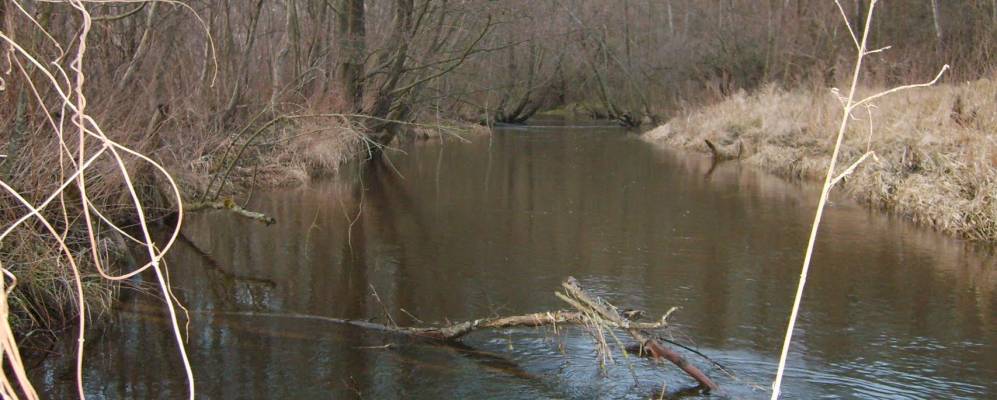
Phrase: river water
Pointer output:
(456, 231)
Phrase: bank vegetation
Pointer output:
(935, 151)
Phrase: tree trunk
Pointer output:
(285, 65)
(243, 68)
(352, 46)
(936, 14)
(671, 20)
(859, 20)
(626, 32)
(294, 34)
(143, 46)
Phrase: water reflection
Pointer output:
(452, 232)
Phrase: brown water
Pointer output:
(458, 231)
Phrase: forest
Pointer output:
(121, 119)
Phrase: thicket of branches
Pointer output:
(636, 60)
(152, 62)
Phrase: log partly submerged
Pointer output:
(590, 310)
(456, 331)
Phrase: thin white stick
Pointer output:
(777, 383)
(849, 105)
(899, 88)
(851, 168)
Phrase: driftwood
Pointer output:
(450, 333)
(456, 331)
(590, 310)
(577, 297)
(725, 153)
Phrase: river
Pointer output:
(455, 231)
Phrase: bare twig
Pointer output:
(849, 104)
(384, 309)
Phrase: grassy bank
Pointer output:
(936, 148)
(209, 166)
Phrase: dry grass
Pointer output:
(936, 147)
(311, 148)
(45, 297)
(287, 150)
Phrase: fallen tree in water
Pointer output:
(589, 310)
(600, 311)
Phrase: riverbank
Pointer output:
(212, 170)
(936, 148)
(206, 166)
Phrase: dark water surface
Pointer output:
(457, 231)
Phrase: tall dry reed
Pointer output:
(88, 160)
(849, 105)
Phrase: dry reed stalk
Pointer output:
(92, 144)
(848, 105)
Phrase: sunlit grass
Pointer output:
(937, 154)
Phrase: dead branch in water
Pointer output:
(450, 333)
(591, 310)
(593, 305)
(723, 154)
(230, 205)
